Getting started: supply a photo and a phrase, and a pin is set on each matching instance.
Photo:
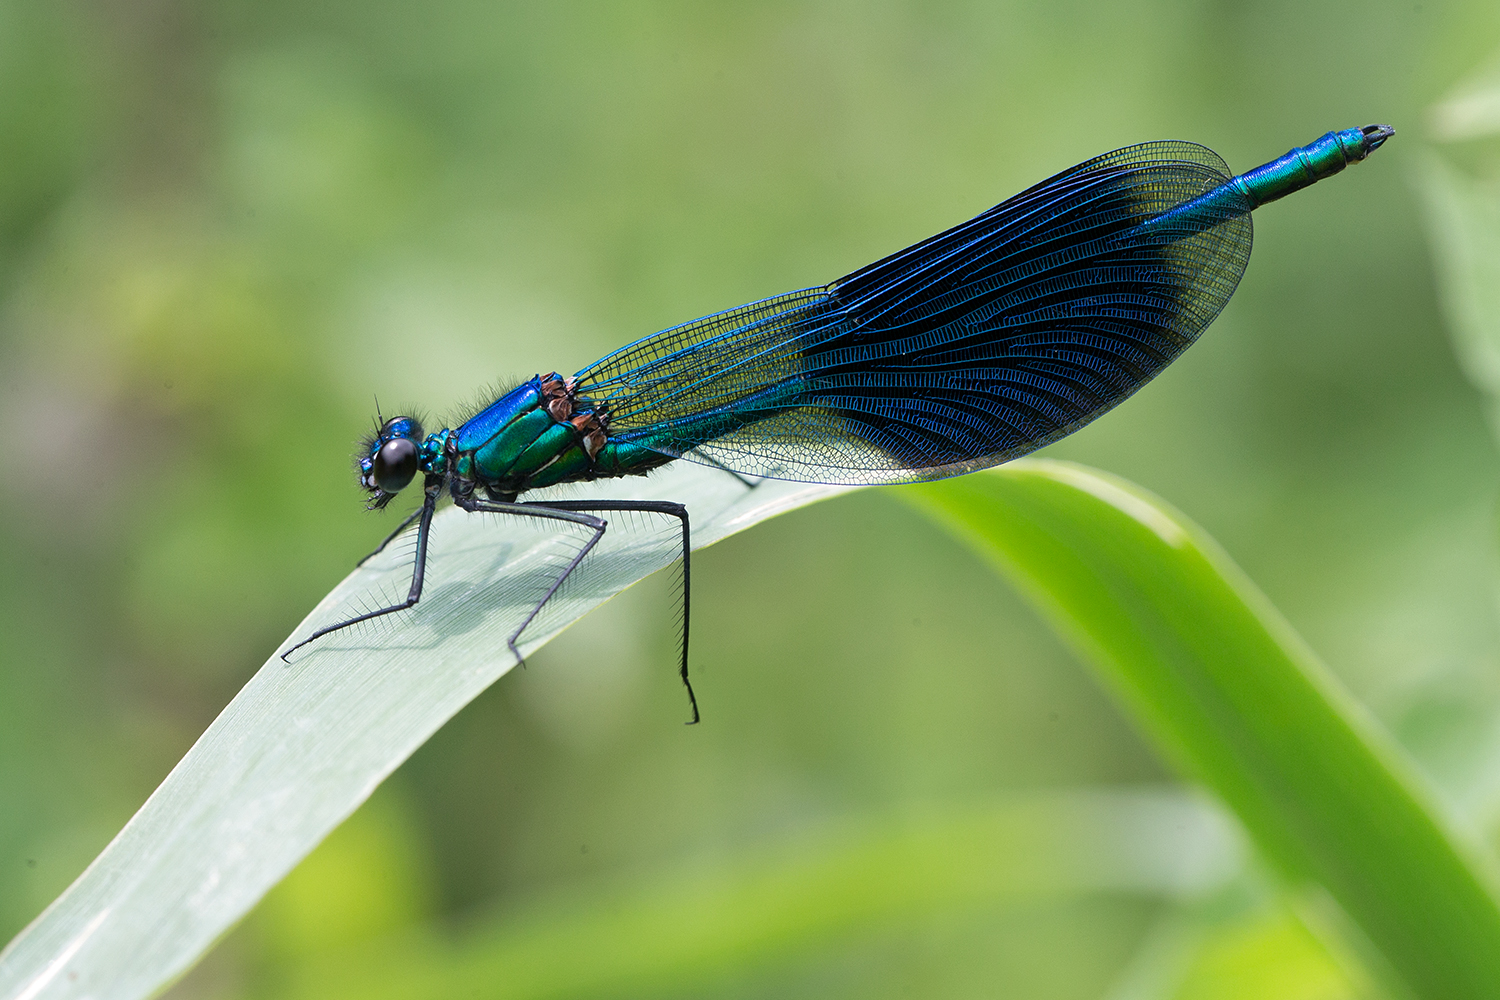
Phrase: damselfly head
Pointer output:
(391, 459)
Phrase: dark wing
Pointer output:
(966, 350)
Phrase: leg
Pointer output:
(676, 510)
(533, 510)
(469, 504)
(405, 523)
(705, 459)
(429, 504)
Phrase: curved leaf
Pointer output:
(1214, 674)
(301, 746)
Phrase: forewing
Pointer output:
(966, 350)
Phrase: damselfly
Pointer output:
(969, 349)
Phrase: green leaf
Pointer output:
(1221, 682)
(302, 745)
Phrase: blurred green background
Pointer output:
(225, 225)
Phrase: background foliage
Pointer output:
(224, 225)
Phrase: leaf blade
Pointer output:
(1213, 673)
(301, 746)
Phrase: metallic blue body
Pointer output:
(966, 350)
(973, 347)
(537, 434)
(1306, 165)
(1290, 172)
(484, 425)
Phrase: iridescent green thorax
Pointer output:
(435, 453)
(539, 434)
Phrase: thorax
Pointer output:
(539, 434)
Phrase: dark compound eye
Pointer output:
(395, 464)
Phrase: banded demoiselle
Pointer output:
(961, 352)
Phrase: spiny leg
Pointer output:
(429, 504)
(676, 510)
(557, 510)
(405, 523)
(598, 525)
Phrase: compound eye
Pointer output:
(395, 464)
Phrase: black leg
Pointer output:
(706, 459)
(472, 505)
(429, 504)
(405, 523)
(676, 510)
(556, 512)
